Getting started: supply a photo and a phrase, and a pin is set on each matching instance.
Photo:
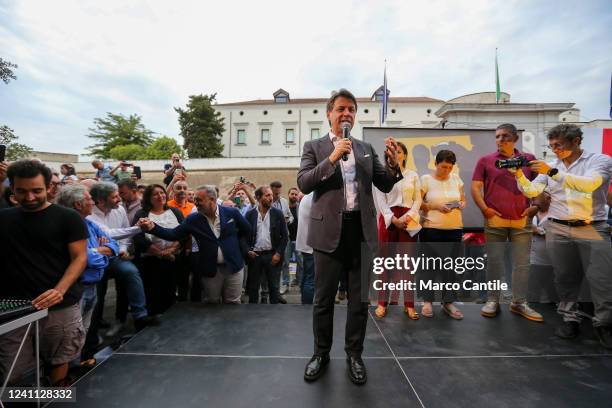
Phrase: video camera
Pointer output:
(513, 163)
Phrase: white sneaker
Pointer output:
(283, 289)
(490, 309)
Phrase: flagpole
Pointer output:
(497, 86)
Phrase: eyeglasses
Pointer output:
(558, 146)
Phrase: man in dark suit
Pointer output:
(221, 234)
(268, 240)
(342, 217)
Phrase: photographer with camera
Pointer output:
(122, 171)
(577, 234)
(507, 219)
(174, 168)
(240, 193)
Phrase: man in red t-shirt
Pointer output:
(508, 216)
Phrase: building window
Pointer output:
(281, 98)
(289, 136)
(366, 111)
(265, 112)
(241, 137)
(265, 136)
(314, 133)
(289, 111)
(315, 111)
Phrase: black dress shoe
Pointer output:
(604, 334)
(568, 330)
(357, 370)
(143, 322)
(315, 367)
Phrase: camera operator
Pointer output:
(43, 248)
(122, 171)
(171, 170)
(577, 235)
(240, 193)
(507, 219)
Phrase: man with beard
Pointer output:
(220, 233)
(266, 245)
(43, 248)
(112, 218)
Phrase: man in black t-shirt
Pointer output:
(43, 251)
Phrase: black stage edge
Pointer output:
(254, 355)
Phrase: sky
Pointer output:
(80, 59)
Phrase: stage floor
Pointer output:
(254, 355)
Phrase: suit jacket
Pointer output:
(279, 235)
(319, 175)
(234, 231)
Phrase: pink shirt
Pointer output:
(500, 190)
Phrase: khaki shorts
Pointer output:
(61, 339)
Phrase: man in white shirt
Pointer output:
(308, 267)
(112, 218)
(577, 235)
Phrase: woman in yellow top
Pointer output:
(443, 202)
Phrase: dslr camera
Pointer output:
(513, 163)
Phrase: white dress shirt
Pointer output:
(349, 175)
(405, 193)
(263, 241)
(194, 243)
(215, 226)
(577, 192)
(115, 223)
(303, 224)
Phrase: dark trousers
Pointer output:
(159, 280)
(435, 236)
(196, 278)
(308, 276)
(328, 270)
(262, 266)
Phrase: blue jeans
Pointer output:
(308, 275)
(87, 303)
(285, 269)
(127, 273)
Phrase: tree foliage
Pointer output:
(6, 71)
(14, 150)
(161, 148)
(201, 127)
(115, 131)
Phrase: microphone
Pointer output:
(346, 132)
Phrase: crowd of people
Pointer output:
(63, 237)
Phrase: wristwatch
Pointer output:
(552, 172)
